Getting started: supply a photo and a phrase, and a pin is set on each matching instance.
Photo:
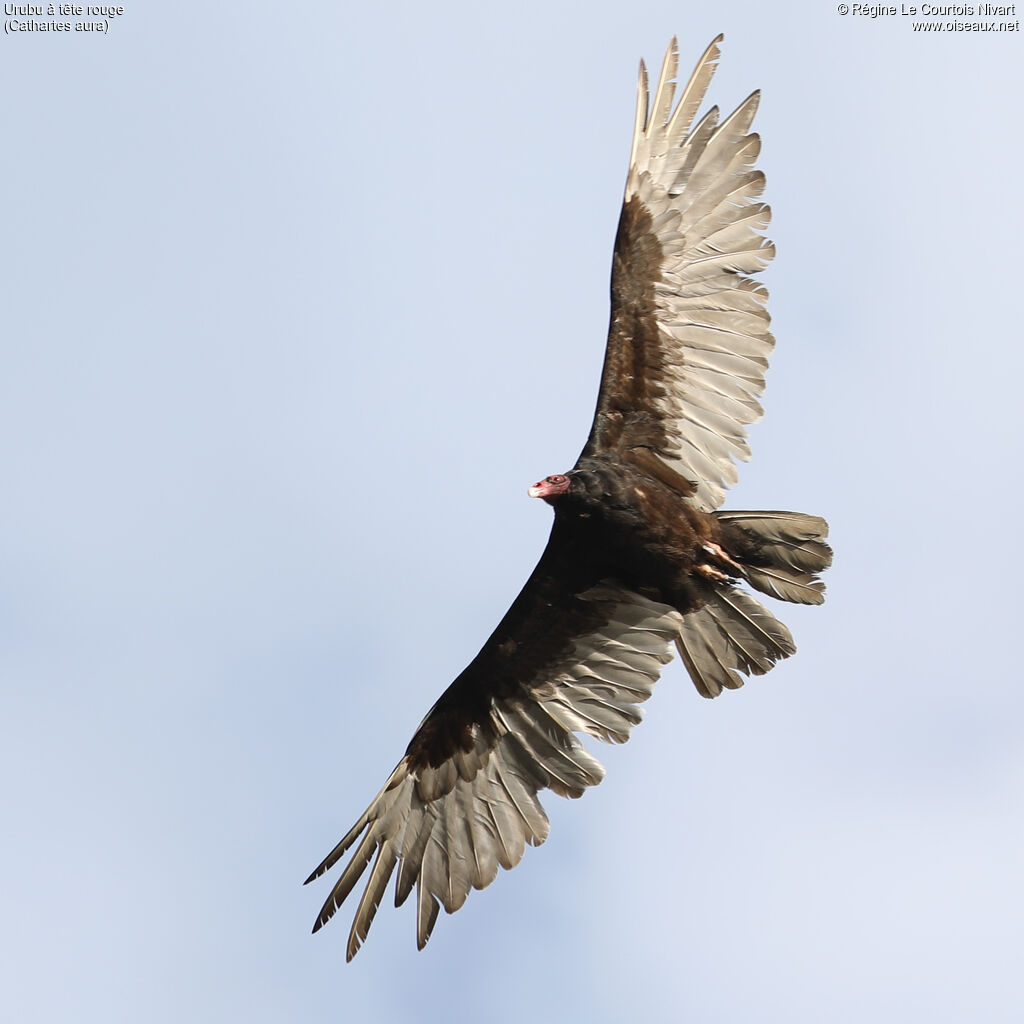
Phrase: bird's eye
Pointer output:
(556, 479)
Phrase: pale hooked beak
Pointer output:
(547, 489)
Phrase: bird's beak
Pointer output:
(546, 489)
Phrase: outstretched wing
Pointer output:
(571, 655)
(688, 341)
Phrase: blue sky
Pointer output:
(298, 303)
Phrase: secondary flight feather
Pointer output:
(639, 563)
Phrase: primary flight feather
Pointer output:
(639, 562)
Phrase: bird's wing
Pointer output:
(567, 657)
(688, 340)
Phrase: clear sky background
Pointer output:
(297, 303)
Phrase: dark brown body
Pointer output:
(633, 527)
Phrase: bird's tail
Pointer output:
(780, 553)
(732, 635)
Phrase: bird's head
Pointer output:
(550, 488)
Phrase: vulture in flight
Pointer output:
(640, 561)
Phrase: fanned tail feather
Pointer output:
(788, 550)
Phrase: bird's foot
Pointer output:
(712, 573)
(717, 552)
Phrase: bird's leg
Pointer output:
(720, 556)
(716, 551)
(711, 573)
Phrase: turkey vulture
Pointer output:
(638, 560)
